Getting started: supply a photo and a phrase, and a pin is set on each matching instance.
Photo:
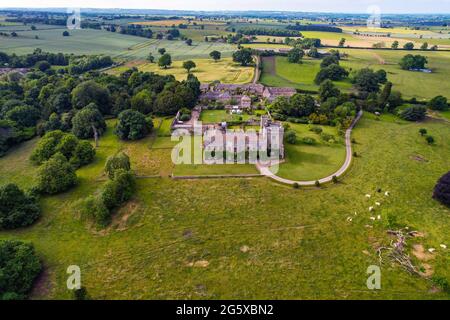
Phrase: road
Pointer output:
(264, 170)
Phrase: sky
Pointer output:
(339, 6)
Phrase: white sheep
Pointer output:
(432, 250)
(371, 209)
(379, 217)
(443, 246)
(386, 193)
(377, 203)
(372, 218)
(368, 196)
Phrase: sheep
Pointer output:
(387, 193)
(368, 196)
(371, 209)
(377, 203)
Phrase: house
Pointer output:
(246, 102)
(271, 93)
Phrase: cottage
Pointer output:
(271, 93)
(246, 102)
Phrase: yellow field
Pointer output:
(225, 70)
(176, 22)
(388, 30)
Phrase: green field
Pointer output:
(90, 41)
(412, 84)
(206, 70)
(177, 239)
(312, 162)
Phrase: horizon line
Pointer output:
(224, 10)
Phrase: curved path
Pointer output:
(264, 170)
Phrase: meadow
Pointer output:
(418, 85)
(206, 70)
(246, 238)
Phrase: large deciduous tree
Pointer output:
(442, 190)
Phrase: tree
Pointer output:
(66, 33)
(151, 58)
(430, 139)
(327, 90)
(142, 102)
(168, 103)
(385, 94)
(43, 66)
(17, 209)
(414, 113)
(313, 53)
(295, 55)
(424, 46)
(24, 116)
(382, 76)
(329, 60)
(56, 175)
(395, 45)
(438, 103)
(423, 131)
(408, 46)
(83, 154)
(243, 56)
(215, 55)
(132, 125)
(442, 190)
(188, 65)
(91, 92)
(189, 42)
(165, 61)
(410, 61)
(342, 42)
(161, 51)
(88, 121)
(395, 100)
(366, 81)
(19, 266)
(332, 72)
(116, 162)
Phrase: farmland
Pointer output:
(224, 70)
(89, 41)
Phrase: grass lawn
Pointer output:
(214, 169)
(181, 239)
(216, 116)
(312, 162)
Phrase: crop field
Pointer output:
(89, 41)
(224, 70)
(246, 238)
(176, 22)
(420, 85)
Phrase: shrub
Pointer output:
(317, 183)
(290, 136)
(442, 190)
(116, 162)
(316, 129)
(296, 185)
(438, 103)
(308, 140)
(94, 207)
(24, 116)
(84, 154)
(19, 267)
(131, 125)
(429, 139)
(81, 294)
(413, 113)
(423, 132)
(78, 152)
(327, 137)
(17, 209)
(334, 179)
(56, 175)
(441, 282)
(355, 154)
